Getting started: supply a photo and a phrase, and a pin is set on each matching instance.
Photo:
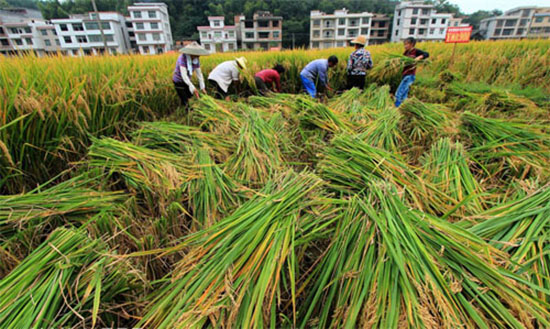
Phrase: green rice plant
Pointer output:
(67, 281)
(393, 267)
(179, 138)
(446, 168)
(503, 144)
(236, 272)
(215, 116)
(389, 70)
(378, 97)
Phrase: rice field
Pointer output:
(119, 209)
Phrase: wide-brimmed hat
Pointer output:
(241, 61)
(360, 40)
(194, 49)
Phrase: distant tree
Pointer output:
(475, 18)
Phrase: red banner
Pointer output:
(459, 34)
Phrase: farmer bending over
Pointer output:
(226, 74)
(269, 78)
(409, 72)
(317, 72)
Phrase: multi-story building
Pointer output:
(81, 34)
(338, 29)
(379, 29)
(540, 24)
(263, 31)
(150, 28)
(218, 37)
(419, 20)
(513, 24)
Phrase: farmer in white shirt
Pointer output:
(187, 64)
(225, 74)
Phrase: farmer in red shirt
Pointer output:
(270, 77)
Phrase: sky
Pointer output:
(470, 6)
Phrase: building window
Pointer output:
(231, 34)
(523, 22)
(498, 31)
(537, 20)
(204, 35)
(217, 23)
(231, 46)
(63, 27)
(154, 26)
(425, 11)
(137, 14)
(91, 26)
(443, 21)
(43, 32)
(434, 20)
(342, 21)
(142, 37)
(352, 33)
(78, 27)
(383, 24)
(156, 36)
(276, 34)
(399, 13)
(316, 34)
(14, 30)
(398, 21)
(411, 31)
(81, 39)
(109, 38)
(328, 34)
(131, 34)
(106, 25)
(140, 26)
(28, 41)
(207, 46)
(510, 22)
(413, 21)
(353, 22)
(249, 35)
(341, 32)
(263, 23)
(145, 49)
(415, 11)
(275, 23)
(364, 30)
(28, 30)
(1, 30)
(57, 42)
(432, 31)
(520, 31)
(421, 31)
(248, 24)
(316, 22)
(4, 42)
(507, 31)
(152, 14)
(365, 20)
(424, 21)
(526, 12)
(217, 34)
(381, 33)
(93, 15)
(500, 23)
(263, 35)
(315, 44)
(396, 32)
(18, 42)
(95, 38)
(442, 30)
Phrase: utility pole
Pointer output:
(293, 44)
(105, 49)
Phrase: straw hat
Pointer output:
(194, 49)
(241, 61)
(360, 40)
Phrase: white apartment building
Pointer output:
(263, 31)
(81, 34)
(24, 30)
(337, 29)
(218, 37)
(419, 20)
(150, 31)
(513, 24)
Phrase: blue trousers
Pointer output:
(309, 86)
(403, 90)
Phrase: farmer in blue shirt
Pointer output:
(317, 72)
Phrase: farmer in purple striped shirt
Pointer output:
(187, 64)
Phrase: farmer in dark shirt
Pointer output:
(269, 78)
(409, 72)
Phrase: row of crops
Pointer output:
(279, 211)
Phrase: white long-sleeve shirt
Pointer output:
(187, 79)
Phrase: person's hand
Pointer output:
(204, 91)
(419, 58)
(227, 98)
(196, 92)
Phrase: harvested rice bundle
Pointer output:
(67, 281)
(216, 116)
(506, 144)
(389, 70)
(236, 272)
(311, 112)
(212, 194)
(392, 267)
(384, 131)
(257, 157)
(424, 122)
(179, 138)
(446, 168)
(378, 97)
